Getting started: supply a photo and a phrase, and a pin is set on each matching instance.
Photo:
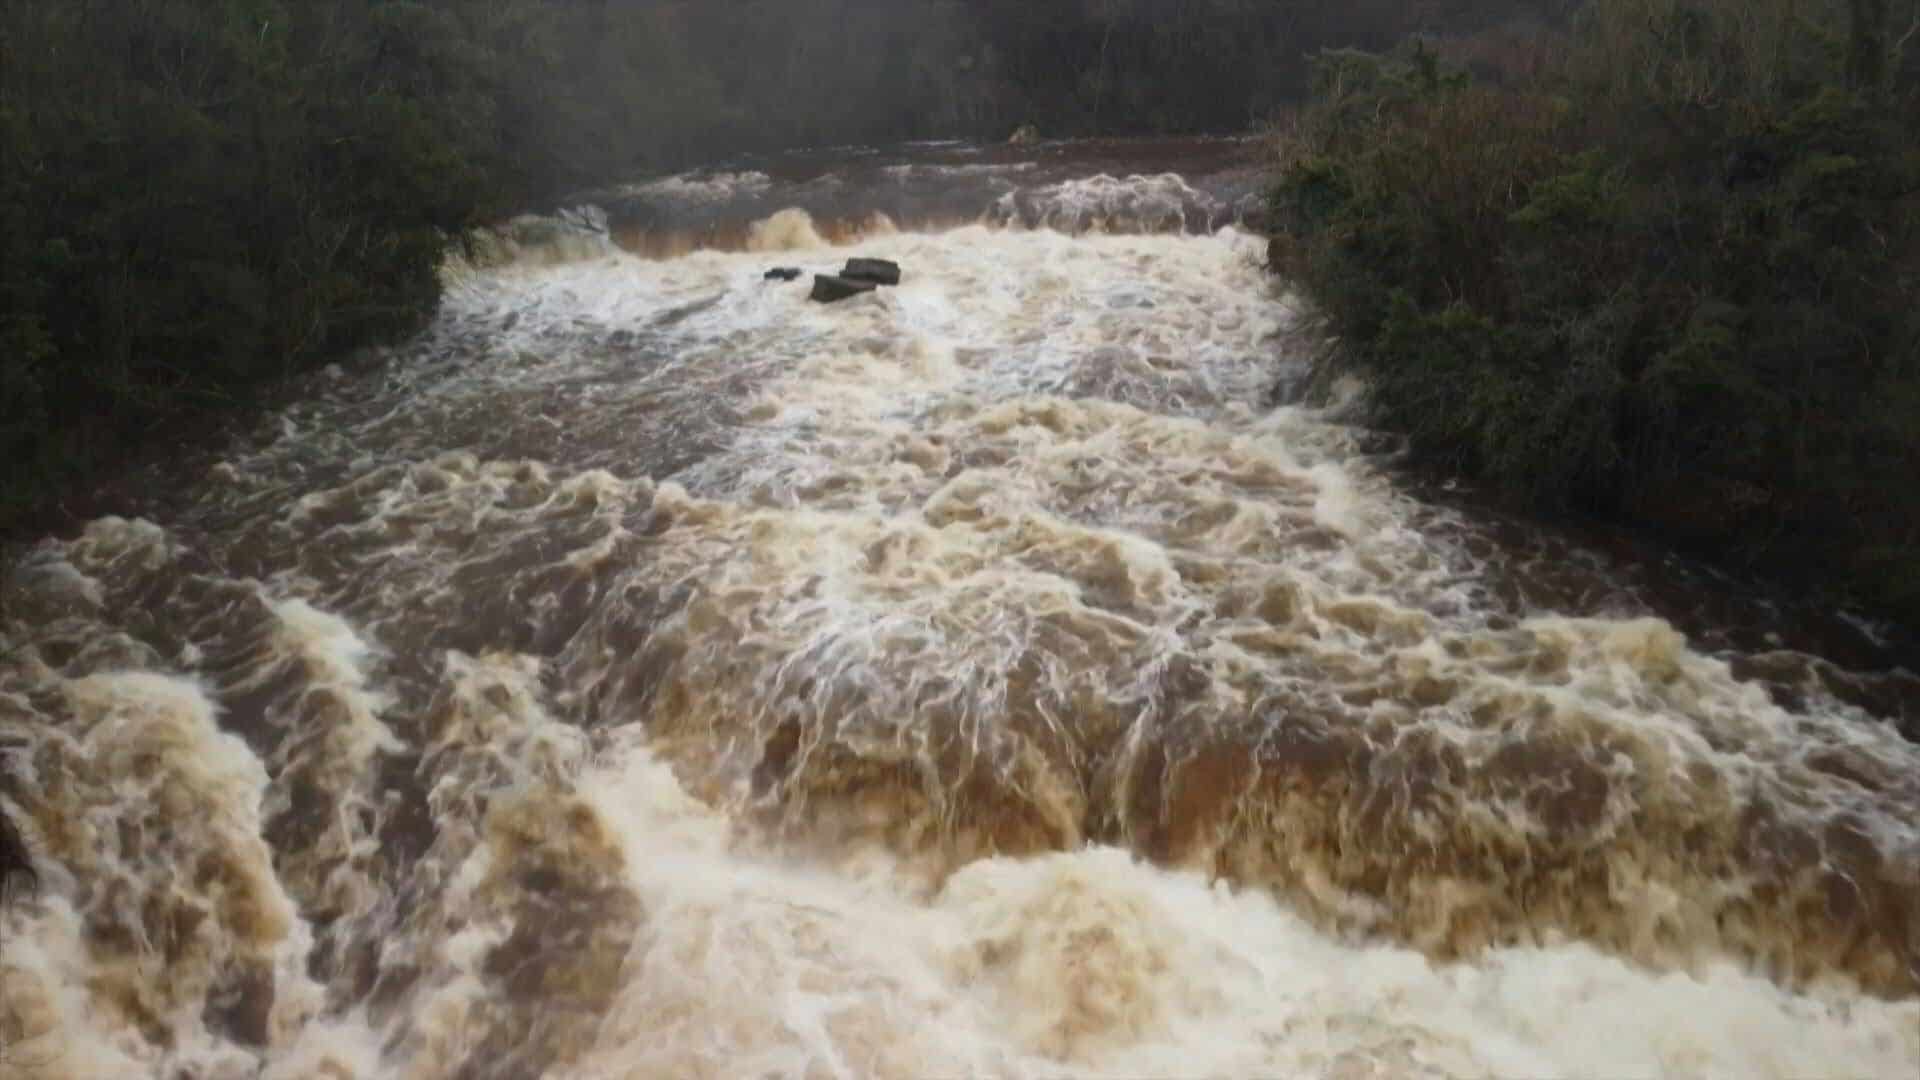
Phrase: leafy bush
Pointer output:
(1680, 291)
(200, 196)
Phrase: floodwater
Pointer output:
(647, 672)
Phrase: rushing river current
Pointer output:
(649, 673)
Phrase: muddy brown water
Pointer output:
(645, 672)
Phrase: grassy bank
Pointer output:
(1663, 268)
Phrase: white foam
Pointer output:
(1092, 964)
(703, 188)
(788, 230)
(1163, 202)
(165, 890)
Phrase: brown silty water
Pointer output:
(646, 672)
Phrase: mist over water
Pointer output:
(649, 673)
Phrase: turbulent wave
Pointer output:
(1148, 204)
(1119, 187)
(648, 672)
(576, 234)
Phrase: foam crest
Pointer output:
(322, 805)
(1103, 203)
(703, 187)
(519, 915)
(788, 230)
(847, 200)
(576, 234)
(162, 890)
(1091, 963)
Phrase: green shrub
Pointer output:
(1687, 301)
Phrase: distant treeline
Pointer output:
(199, 195)
(1663, 266)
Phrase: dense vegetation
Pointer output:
(1662, 267)
(197, 196)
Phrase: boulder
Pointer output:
(878, 271)
(783, 273)
(1025, 135)
(830, 288)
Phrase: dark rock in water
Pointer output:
(783, 273)
(828, 288)
(878, 271)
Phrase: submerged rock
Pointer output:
(878, 271)
(830, 288)
(783, 273)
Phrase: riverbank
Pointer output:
(1588, 299)
(1726, 607)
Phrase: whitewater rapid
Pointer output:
(649, 673)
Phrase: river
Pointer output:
(647, 672)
